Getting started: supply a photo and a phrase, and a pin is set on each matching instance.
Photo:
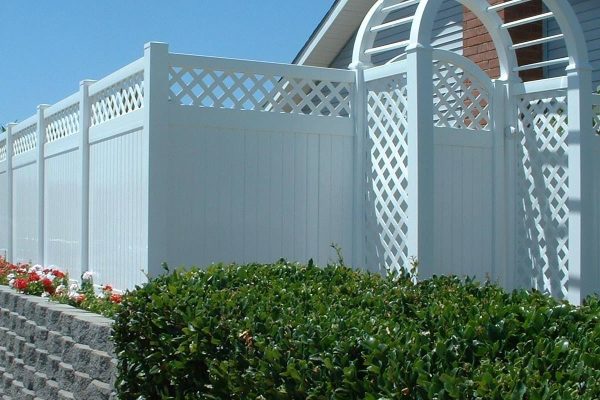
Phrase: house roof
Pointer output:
(337, 27)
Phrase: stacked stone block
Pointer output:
(53, 351)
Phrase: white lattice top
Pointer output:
(63, 123)
(459, 100)
(119, 99)
(25, 140)
(213, 88)
(3, 150)
(596, 114)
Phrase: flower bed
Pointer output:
(54, 284)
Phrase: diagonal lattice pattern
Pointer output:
(543, 187)
(25, 140)
(119, 99)
(459, 101)
(3, 150)
(387, 174)
(596, 114)
(210, 88)
(63, 123)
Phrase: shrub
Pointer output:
(288, 331)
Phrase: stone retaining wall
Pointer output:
(53, 351)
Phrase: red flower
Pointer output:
(79, 298)
(47, 283)
(58, 274)
(20, 284)
(116, 298)
(34, 277)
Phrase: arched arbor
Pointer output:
(469, 175)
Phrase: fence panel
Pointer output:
(62, 211)
(542, 193)
(25, 215)
(256, 195)
(118, 225)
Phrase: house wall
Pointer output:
(588, 12)
(447, 34)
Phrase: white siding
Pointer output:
(118, 210)
(62, 212)
(447, 34)
(588, 12)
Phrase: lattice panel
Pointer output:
(387, 178)
(119, 99)
(543, 193)
(25, 140)
(596, 114)
(255, 92)
(62, 124)
(459, 100)
(3, 151)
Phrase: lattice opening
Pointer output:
(387, 178)
(63, 123)
(459, 100)
(119, 99)
(208, 88)
(3, 150)
(543, 194)
(25, 140)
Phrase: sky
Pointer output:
(48, 46)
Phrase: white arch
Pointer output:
(424, 17)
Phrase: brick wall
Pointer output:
(478, 45)
(53, 351)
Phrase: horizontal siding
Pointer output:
(447, 34)
(588, 12)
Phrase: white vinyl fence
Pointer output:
(227, 161)
(195, 160)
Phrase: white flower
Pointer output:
(60, 289)
(73, 287)
(11, 276)
(50, 276)
(88, 275)
(45, 294)
(36, 268)
(11, 283)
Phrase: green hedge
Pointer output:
(300, 332)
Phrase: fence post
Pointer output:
(583, 259)
(41, 140)
(500, 209)
(9, 191)
(421, 160)
(156, 97)
(511, 143)
(84, 151)
(359, 117)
